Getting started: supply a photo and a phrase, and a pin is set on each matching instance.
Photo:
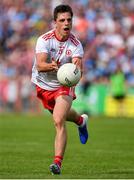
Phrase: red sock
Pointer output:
(58, 160)
(79, 121)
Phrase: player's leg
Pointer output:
(61, 109)
(81, 121)
(74, 116)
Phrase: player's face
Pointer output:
(63, 24)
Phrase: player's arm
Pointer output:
(42, 65)
(78, 62)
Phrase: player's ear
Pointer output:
(54, 23)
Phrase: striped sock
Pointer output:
(58, 160)
(79, 121)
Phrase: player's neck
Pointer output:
(60, 37)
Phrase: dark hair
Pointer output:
(61, 9)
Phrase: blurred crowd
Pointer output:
(105, 28)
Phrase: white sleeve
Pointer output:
(79, 52)
(41, 46)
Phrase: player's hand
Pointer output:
(54, 66)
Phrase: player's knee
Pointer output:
(59, 122)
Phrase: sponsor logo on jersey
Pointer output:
(52, 50)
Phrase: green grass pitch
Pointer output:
(26, 148)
